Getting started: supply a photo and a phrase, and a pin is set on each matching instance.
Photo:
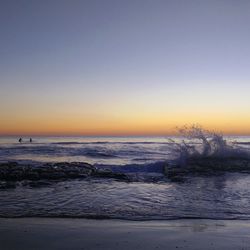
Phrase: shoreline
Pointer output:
(88, 234)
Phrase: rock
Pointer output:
(15, 175)
(73, 174)
(107, 173)
(38, 184)
(7, 185)
(45, 175)
(207, 166)
(55, 175)
(177, 178)
(32, 176)
(16, 172)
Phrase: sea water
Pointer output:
(224, 196)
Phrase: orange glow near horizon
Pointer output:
(125, 126)
(151, 111)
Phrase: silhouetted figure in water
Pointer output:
(20, 140)
(30, 140)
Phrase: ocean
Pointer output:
(223, 196)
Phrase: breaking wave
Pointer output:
(204, 144)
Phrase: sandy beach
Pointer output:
(50, 233)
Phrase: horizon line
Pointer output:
(107, 135)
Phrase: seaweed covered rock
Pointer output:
(107, 173)
(207, 166)
(12, 171)
(7, 185)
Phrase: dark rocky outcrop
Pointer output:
(12, 171)
(110, 174)
(207, 166)
(7, 185)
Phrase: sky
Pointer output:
(115, 67)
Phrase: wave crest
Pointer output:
(201, 143)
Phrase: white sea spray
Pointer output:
(201, 143)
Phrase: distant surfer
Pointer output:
(30, 140)
(20, 140)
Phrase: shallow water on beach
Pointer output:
(219, 197)
(226, 196)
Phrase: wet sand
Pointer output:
(50, 233)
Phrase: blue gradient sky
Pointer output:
(124, 67)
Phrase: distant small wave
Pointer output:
(56, 151)
(110, 142)
(81, 143)
(67, 143)
(99, 154)
(242, 142)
